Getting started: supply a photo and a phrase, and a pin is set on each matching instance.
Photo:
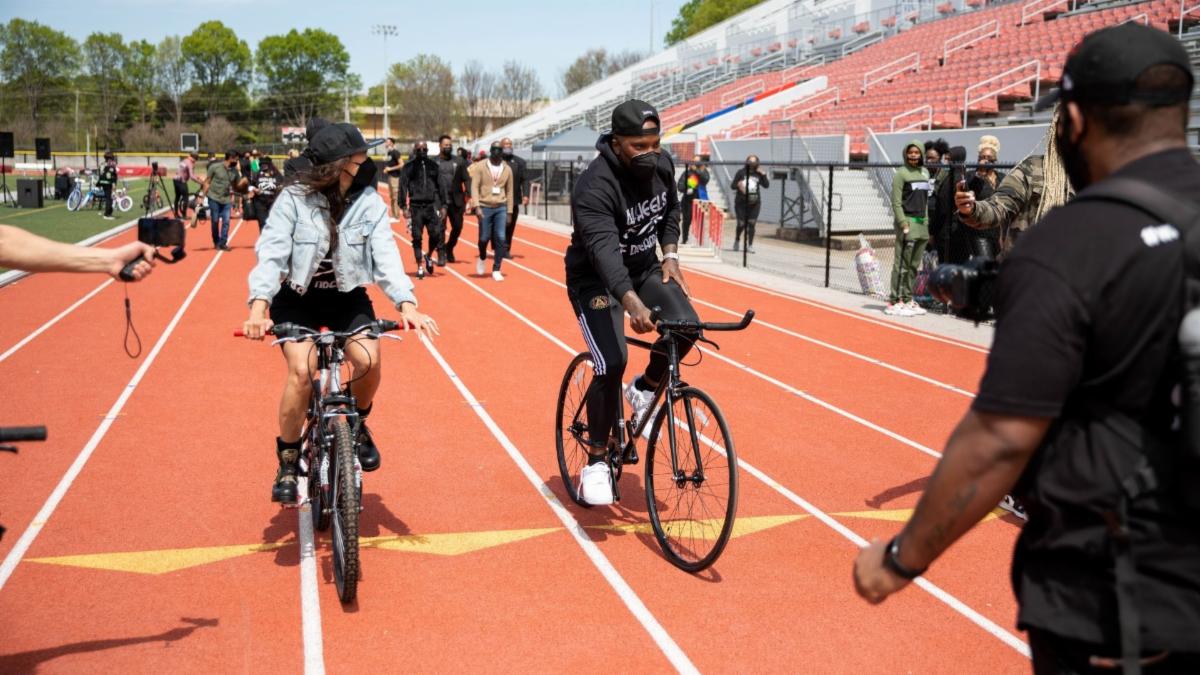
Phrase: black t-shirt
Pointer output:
(393, 159)
(1088, 307)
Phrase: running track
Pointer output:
(141, 538)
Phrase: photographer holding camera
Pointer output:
(1076, 408)
(749, 183)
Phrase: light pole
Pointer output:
(385, 30)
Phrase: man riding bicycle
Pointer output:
(623, 206)
(327, 237)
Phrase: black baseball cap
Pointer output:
(336, 141)
(1104, 67)
(629, 118)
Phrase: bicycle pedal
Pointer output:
(631, 457)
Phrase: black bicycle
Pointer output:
(329, 453)
(691, 493)
(18, 435)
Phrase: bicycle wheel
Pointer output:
(73, 200)
(570, 424)
(124, 203)
(346, 498)
(691, 504)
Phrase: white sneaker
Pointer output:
(639, 402)
(479, 267)
(916, 309)
(1009, 504)
(497, 276)
(897, 309)
(595, 484)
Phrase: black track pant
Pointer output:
(511, 228)
(747, 218)
(685, 207)
(602, 321)
(424, 217)
(1054, 655)
(454, 216)
(108, 199)
(181, 198)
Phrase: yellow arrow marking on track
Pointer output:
(159, 562)
(708, 529)
(455, 543)
(902, 515)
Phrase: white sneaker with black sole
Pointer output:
(1012, 506)
(639, 402)
(595, 484)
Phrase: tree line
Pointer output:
(140, 95)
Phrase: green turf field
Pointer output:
(54, 221)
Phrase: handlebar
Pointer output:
(678, 325)
(20, 434)
(291, 331)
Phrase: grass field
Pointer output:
(55, 222)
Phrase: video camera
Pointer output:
(967, 288)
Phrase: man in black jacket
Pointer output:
(1076, 408)
(456, 184)
(692, 182)
(108, 180)
(748, 183)
(424, 201)
(520, 190)
(623, 207)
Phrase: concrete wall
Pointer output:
(796, 149)
(1016, 142)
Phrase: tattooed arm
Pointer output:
(984, 457)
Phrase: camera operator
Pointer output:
(1089, 308)
(749, 183)
(1034, 187)
(26, 251)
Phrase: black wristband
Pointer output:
(891, 560)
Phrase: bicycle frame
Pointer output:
(329, 401)
(667, 389)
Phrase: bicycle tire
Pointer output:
(572, 457)
(125, 203)
(318, 496)
(692, 541)
(346, 499)
(73, 200)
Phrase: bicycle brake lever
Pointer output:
(8, 448)
(701, 338)
(390, 337)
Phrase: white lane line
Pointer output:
(39, 521)
(44, 327)
(741, 366)
(804, 301)
(946, 598)
(310, 601)
(635, 605)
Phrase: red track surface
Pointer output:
(466, 565)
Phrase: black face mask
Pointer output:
(447, 153)
(420, 153)
(751, 168)
(497, 154)
(507, 152)
(1072, 156)
(643, 166)
(365, 176)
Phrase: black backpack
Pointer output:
(1170, 463)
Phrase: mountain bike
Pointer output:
(329, 450)
(691, 473)
(18, 435)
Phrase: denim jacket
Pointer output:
(296, 238)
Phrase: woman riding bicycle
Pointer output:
(623, 206)
(328, 236)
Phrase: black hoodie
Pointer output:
(618, 220)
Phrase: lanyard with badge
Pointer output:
(496, 173)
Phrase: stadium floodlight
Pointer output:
(385, 30)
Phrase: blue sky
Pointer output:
(546, 34)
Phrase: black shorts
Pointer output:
(319, 308)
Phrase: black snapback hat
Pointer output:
(1105, 65)
(336, 141)
(629, 118)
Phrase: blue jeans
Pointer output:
(491, 228)
(218, 212)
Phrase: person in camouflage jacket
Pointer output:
(1034, 187)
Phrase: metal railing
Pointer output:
(889, 70)
(1036, 78)
(691, 112)
(1184, 11)
(812, 103)
(765, 62)
(804, 66)
(965, 39)
(862, 42)
(1036, 7)
(747, 128)
(741, 92)
(1143, 16)
(927, 121)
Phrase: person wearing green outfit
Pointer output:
(911, 188)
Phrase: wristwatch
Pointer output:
(891, 560)
(671, 256)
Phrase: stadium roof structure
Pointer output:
(577, 139)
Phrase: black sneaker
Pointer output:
(368, 454)
(429, 265)
(441, 259)
(284, 489)
(450, 257)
